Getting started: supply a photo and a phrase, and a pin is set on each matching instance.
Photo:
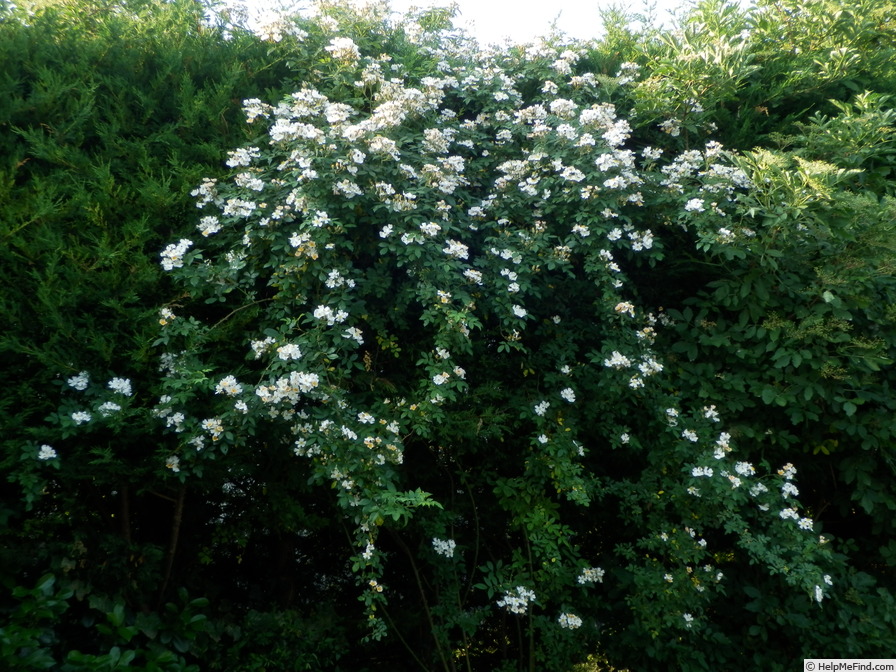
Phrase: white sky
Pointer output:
(523, 20)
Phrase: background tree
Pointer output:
(110, 114)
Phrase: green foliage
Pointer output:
(102, 139)
(859, 136)
(34, 639)
(507, 359)
(757, 73)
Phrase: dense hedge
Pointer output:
(480, 359)
(110, 113)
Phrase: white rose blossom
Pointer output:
(46, 453)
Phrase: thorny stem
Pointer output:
(476, 546)
(172, 544)
(531, 628)
(236, 310)
(463, 632)
(159, 494)
(432, 626)
(403, 641)
(348, 538)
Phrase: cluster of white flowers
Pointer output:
(288, 388)
(788, 471)
(517, 600)
(591, 575)
(80, 417)
(641, 240)
(173, 255)
(253, 109)
(683, 167)
(627, 73)
(617, 361)
(792, 514)
(229, 386)
(243, 156)
(237, 207)
(473, 275)
(694, 205)
(108, 408)
(166, 316)
(625, 308)
(330, 316)
(569, 621)
(744, 468)
(289, 351)
(343, 49)
(336, 279)
(214, 427)
(46, 452)
(121, 386)
(260, 347)
(710, 413)
(430, 229)
(249, 181)
(444, 547)
(354, 334)
(205, 193)
(80, 381)
(723, 446)
(573, 174)
(441, 378)
(456, 249)
(671, 126)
